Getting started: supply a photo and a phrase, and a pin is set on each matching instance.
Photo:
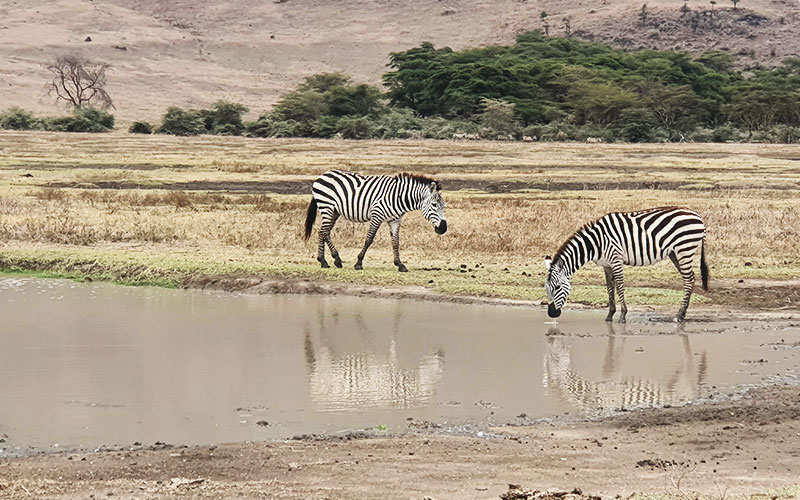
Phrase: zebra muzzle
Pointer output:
(442, 227)
(552, 311)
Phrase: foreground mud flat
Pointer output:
(731, 448)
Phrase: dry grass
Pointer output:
(752, 211)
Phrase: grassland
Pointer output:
(189, 211)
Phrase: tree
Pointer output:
(323, 82)
(497, 115)
(713, 3)
(301, 105)
(79, 82)
(545, 23)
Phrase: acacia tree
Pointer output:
(79, 82)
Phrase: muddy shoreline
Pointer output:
(729, 299)
(743, 445)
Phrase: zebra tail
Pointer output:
(703, 265)
(311, 216)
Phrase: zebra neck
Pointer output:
(576, 252)
(411, 195)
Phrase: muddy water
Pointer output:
(83, 365)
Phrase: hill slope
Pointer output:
(191, 53)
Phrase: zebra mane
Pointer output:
(563, 248)
(422, 178)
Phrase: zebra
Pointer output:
(632, 238)
(375, 199)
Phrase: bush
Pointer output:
(354, 128)
(726, 133)
(17, 119)
(226, 118)
(637, 125)
(271, 126)
(140, 128)
(182, 122)
(82, 120)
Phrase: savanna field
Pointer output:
(179, 211)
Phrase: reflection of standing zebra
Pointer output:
(636, 239)
(373, 198)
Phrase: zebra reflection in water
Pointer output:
(616, 388)
(362, 368)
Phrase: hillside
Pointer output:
(192, 53)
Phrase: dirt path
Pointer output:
(746, 446)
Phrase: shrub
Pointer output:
(226, 118)
(17, 119)
(182, 122)
(82, 120)
(637, 125)
(354, 128)
(726, 133)
(140, 128)
(271, 126)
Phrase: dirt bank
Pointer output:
(736, 299)
(737, 447)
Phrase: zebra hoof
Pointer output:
(402, 268)
(337, 263)
(324, 264)
(358, 267)
(609, 318)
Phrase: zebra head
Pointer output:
(433, 208)
(557, 286)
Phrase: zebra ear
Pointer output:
(548, 262)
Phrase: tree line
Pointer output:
(549, 88)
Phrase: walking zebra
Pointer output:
(375, 199)
(633, 238)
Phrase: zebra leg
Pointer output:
(334, 253)
(619, 282)
(373, 229)
(394, 229)
(612, 306)
(684, 266)
(324, 232)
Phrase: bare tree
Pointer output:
(79, 82)
(713, 3)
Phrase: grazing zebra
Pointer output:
(375, 199)
(633, 238)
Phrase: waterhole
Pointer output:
(86, 365)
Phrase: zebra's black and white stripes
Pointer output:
(633, 238)
(375, 199)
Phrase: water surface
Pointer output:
(83, 365)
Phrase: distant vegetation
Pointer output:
(80, 120)
(539, 88)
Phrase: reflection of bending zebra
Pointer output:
(632, 238)
(373, 198)
(614, 390)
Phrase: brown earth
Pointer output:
(729, 299)
(191, 53)
(720, 450)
